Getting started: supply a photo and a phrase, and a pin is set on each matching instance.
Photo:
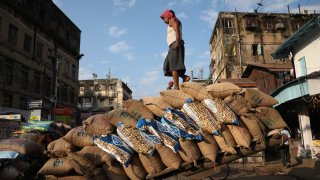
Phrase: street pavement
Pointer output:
(304, 169)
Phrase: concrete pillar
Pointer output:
(305, 127)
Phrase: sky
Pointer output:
(129, 38)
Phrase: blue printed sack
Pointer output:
(113, 145)
(162, 132)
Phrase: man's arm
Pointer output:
(176, 26)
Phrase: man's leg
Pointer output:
(175, 76)
(186, 78)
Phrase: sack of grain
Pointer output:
(168, 157)
(271, 118)
(197, 90)
(175, 98)
(201, 115)
(10, 173)
(60, 148)
(57, 167)
(84, 166)
(132, 137)
(182, 121)
(208, 146)
(240, 134)
(98, 125)
(189, 151)
(161, 131)
(67, 177)
(22, 146)
(254, 128)
(135, 169)
(152, 164)
(121, 115)
(180, 133)
(33, 136)
(237, 103)
(222, 90)
(220, 110)
(115, 172)
(156, 105)
(138, 109)
(226, 141)
(79, 137)
(113, 145)
(96, 155)
(257, 98)
(21, 164)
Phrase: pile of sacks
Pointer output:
(22, 154)
(155, 135)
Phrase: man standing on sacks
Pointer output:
(174, 62)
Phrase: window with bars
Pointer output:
(13, 34)
(24, 77)
(37, 82)
(8, 73)
(39, 49)
(27, 42)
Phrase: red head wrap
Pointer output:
(167, 14)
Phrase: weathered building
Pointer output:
(39, 55)
(102, 95)
(240, 38)
(268, 77)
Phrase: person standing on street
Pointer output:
(174, 62)
(285, 150)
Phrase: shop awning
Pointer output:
(292, 90)
(284, 50)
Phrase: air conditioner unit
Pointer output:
(279, 26)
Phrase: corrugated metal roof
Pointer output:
(284, 50)
(267, 67)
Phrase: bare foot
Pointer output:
(186, 78)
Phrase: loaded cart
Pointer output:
(8, 124)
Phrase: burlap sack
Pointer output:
(237, 104)
(33, 136)
(10, 173)
(257, 98)
(240, 134)
(222, 90)
(115, 171)
(22, 146)
(68, 177)
(98, 125)
(60, 148)
(135, 170)
(121, 115)
(79, 137)
(203, 118)
(208, 146)
(226, 141)
(21, 164)
(57, 167)
(97, 174)
(271, 118)
(133, 138)
(189, 151)
(254, 128)
(156, 105)
(220, 110)
(175, 98)
(96, 155)
(138, 109)
(84, 166)
(152, 164)
(197, 90)
(168, 157)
